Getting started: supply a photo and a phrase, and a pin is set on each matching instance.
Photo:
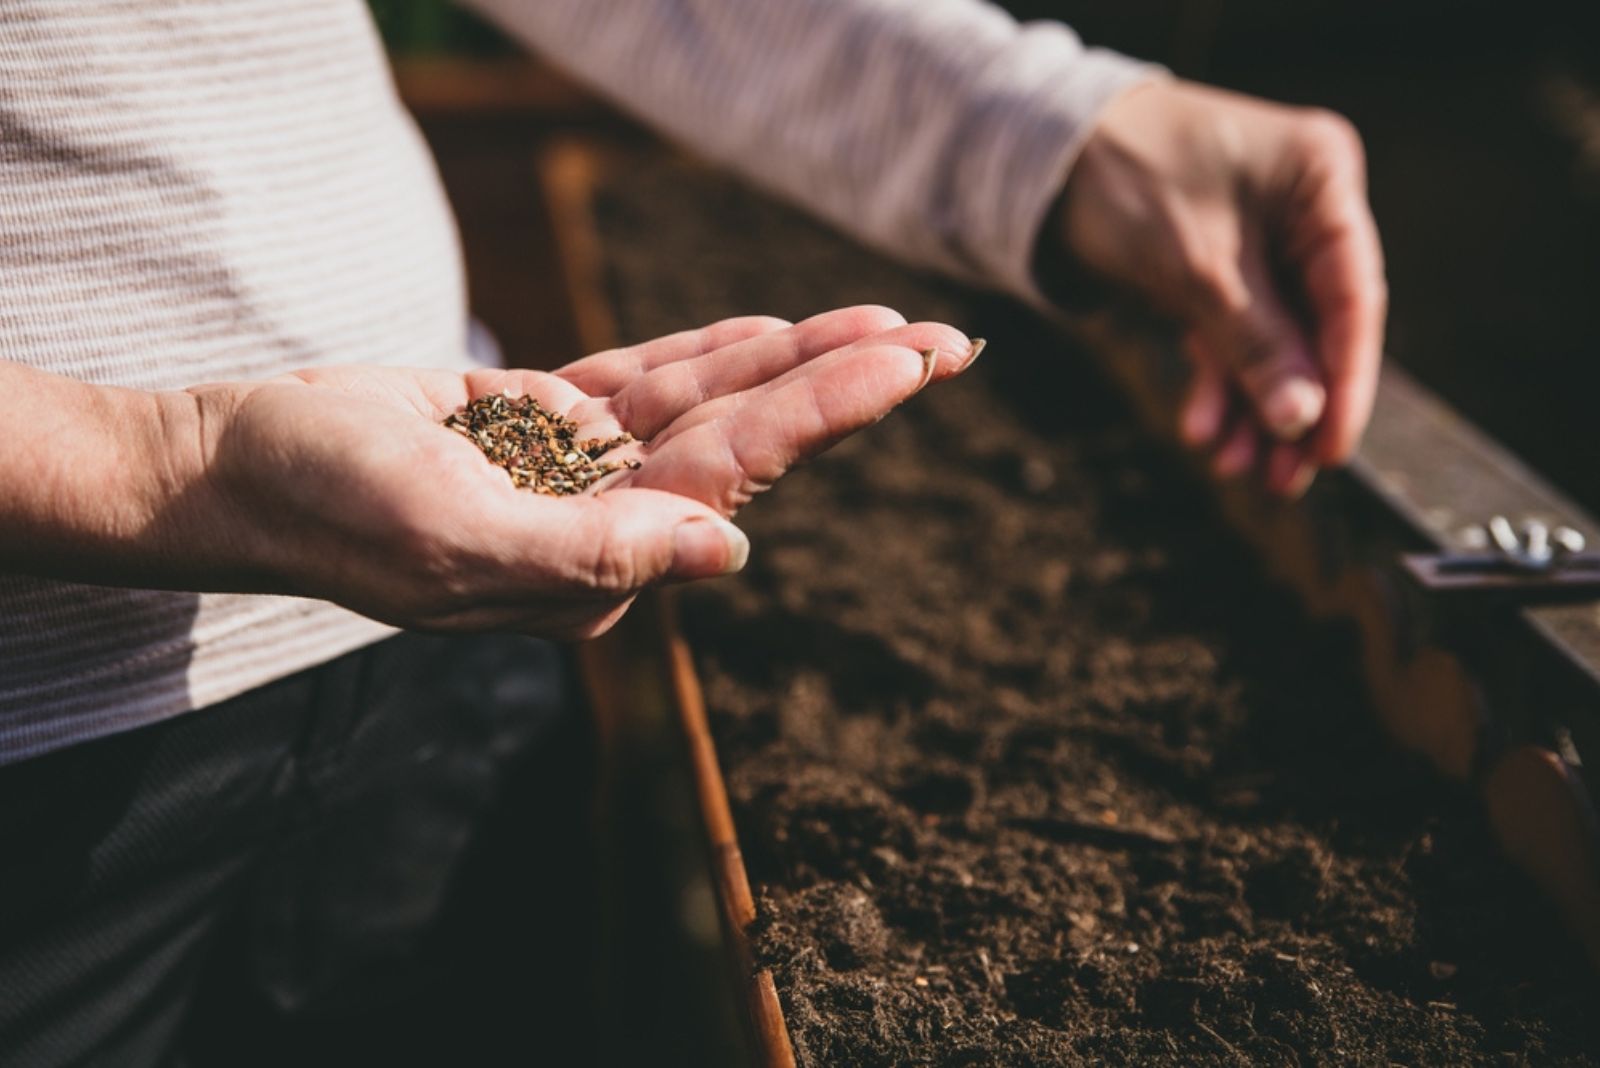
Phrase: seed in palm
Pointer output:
(538, 448)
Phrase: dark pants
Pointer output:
(380, 860)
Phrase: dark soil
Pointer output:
(1030, 764)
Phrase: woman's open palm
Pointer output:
(376, 505)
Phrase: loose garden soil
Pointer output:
(1030, 763)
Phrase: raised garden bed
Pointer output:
(1029, 762)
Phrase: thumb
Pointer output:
(620, 541)
(1245, 323)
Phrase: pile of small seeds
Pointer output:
(537, 447)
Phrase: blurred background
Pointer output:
(1482, 122)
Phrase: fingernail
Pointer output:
(1293, 408)
(706, 547)
(930, 360)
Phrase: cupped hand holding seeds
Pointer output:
(351, 487)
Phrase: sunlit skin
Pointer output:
(341, 483)
(1247, 223)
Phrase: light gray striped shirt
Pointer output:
(199, 190)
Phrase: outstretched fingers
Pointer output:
(755, 437)
(654, 400)
(604, 373)
(950, 350)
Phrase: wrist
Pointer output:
(171, 526)
(1059, 273)
(200, 522)
(1069, 260)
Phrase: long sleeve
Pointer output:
(937, 130)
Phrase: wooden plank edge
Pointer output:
(738, 904)
(567, 173)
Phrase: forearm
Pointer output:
(938, 130)
(106, 485)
